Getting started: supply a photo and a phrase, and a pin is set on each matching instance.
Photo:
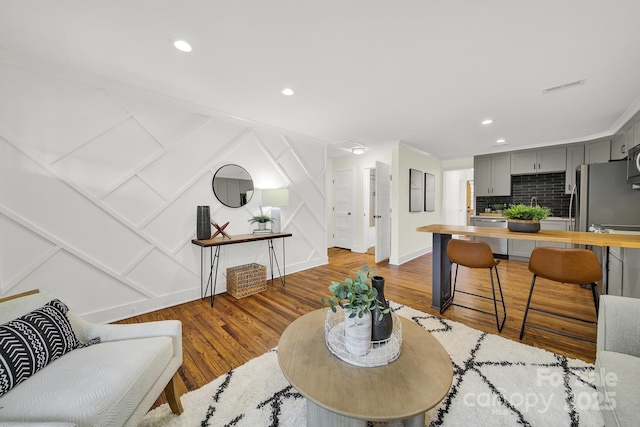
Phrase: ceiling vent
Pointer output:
(564, 86)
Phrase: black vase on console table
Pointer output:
(203, 225)
(381, 329)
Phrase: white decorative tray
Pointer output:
(380, 352)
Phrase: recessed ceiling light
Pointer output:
(357, 150)
(501, 141)
(182, 46)
(288, 91)
(487, 122)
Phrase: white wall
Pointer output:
(99, 185)
(410, 243)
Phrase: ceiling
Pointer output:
(367, 72)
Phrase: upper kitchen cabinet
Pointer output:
(623, 141)
(539, 161)
(492, 175)
(575, 157)
(598, 151)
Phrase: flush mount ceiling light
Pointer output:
(182, 46)
(288, 91)
(487, 122)
(501, 141)
(357, 150)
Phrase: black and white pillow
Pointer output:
(30, 342)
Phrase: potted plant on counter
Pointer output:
(358, 299)
(525, 218)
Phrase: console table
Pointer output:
(219, 242)
(441, 265)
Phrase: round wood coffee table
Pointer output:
(341, 394)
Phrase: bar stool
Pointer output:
(565, 265)
(475, 254)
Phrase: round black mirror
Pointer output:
(232, 186)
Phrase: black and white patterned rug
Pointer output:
(497, 382)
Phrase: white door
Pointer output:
(343, 208)
(383, 211)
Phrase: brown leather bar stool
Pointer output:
(575, 266)
(475, 254)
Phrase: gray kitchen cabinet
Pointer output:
(575, 157)
(539, 161)
(598, 151)
(520, 250)
(614, 275)
(492, 175)
(623, 140)
(636, 140)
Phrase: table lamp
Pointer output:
(275, 198)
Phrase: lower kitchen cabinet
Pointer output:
(520, 250)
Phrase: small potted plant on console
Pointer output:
(525, 218)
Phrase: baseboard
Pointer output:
(136, 308)
(413, 255)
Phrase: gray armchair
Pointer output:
(618, 360)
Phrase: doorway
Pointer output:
(458, 196)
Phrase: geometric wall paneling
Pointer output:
(51, 116)
(134, 201)
(80, 285)
(161, 275)
(22, 250)
(179, 164)
(176, 222)
(274, 143)
(55, 206)
(307, 153)
(168, 124)
(102, 162)
(99, 187)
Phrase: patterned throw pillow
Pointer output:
(30, 342)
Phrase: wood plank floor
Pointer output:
(231, 333)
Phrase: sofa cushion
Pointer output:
(618, 387)
(31, 342)
(92, 386)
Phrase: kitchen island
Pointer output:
(440, 286)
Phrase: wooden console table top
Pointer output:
(240, 238)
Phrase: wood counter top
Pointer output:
(571, 237)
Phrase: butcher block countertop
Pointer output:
(571, 237)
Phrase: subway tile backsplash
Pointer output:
(548, 188)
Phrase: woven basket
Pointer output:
(245, 280)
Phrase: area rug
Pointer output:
(497, 382)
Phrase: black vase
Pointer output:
(203, 226)
(381, 328)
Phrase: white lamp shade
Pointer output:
(275, 197)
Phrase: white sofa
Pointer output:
(618, 360)
(112, 383)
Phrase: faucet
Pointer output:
(533, 199)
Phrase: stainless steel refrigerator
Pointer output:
(604, 199)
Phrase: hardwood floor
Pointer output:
(231, 333)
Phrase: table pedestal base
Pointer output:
(317, 416)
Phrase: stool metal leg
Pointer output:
(526, 311)
(495, 305)
(594, 292)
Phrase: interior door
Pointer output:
(343, 208)
(383, 211)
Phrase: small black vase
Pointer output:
(203, 225)
(380, 329)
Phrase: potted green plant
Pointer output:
(498, 207)
(261, 220)
(358, 299)
(525, 218)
